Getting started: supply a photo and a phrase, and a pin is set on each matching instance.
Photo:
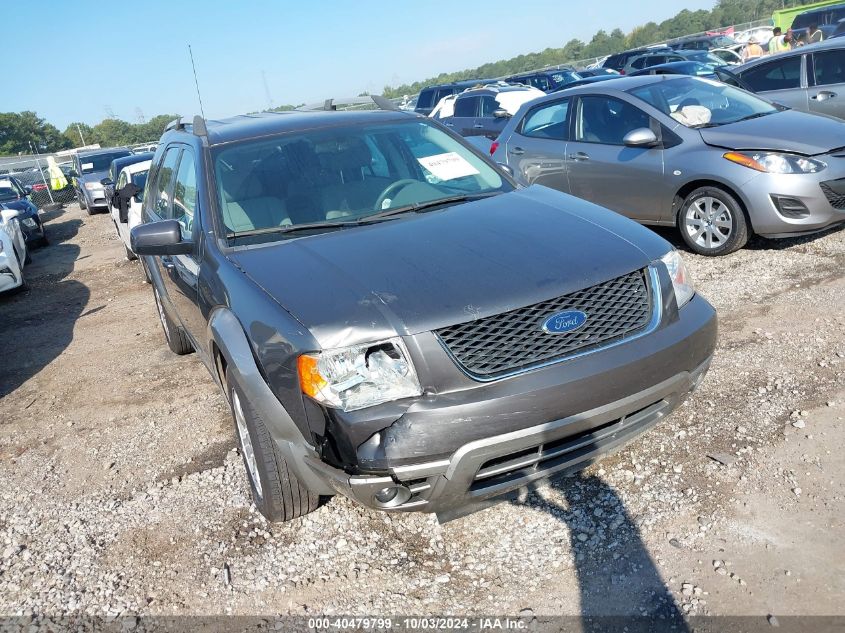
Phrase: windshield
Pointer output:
(100, 162)
(344, 174)
(697, 102)
(705, 57)
(723, 41)
(8, 190)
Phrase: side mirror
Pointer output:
(501, 113)
(641, 137)
(106, 182)
(159, 238)
(506, 168)
(27, 190)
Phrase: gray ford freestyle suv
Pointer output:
(393, 319)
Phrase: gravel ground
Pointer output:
(123, 493)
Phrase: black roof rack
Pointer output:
(195, 125)
(382, 103)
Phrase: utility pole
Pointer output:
(81, 138)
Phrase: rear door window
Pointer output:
(782, 74)
(829, 67)
(466, 107)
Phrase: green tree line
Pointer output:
(724, 13)
(23, 132)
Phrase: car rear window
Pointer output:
(426, 99)
(100, 162)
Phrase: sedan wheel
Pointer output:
(708, 222)
(712, 222)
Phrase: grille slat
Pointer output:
(514, 340)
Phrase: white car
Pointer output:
(136, 173)
(12, 251)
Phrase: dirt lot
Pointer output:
(122, 492)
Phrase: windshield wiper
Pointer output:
(421, 206)
(367, 219)
(294, 228)
(756, 115)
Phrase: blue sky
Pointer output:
(131, 58)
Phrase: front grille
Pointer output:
(834, 191)
(515, 340)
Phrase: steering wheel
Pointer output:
(390, 189)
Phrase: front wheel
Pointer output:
(712, 222)
(276, 491)
(176, 338)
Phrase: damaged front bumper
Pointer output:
(482, 471)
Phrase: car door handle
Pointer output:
(168, 263)
(477, 126)
(516, 151)
(824, 95)
(449, 124)
(579, 156)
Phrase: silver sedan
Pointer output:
(716, 161)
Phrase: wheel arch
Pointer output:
(231, 351)
(692, 185)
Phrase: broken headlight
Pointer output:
(681, 281)
(359, 376)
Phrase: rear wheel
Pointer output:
(176, 338)
(712, 222)
(276, 491)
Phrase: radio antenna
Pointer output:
(196, 83)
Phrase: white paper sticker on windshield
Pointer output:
(87, 165)
(448, 166)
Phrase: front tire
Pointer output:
(276, 491)
(175, 336)
(712, 222)
(129, 255)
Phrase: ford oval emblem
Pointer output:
(567, 321)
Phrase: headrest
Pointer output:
(352, 153)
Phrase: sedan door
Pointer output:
(601, 169)
(827, 93)
(536, 150)
(780, 80)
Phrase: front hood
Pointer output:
(787, 131)
(472, 260)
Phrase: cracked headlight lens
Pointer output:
(359, 376)
(681, 281)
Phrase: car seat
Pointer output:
(247, 207)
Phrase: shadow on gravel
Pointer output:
(37, 324)
(619, 583)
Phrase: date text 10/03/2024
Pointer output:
(418, 624)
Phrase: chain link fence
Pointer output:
(46, 187)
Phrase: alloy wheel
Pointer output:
(708, 222)
(246, 443)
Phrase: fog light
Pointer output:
(790, 207)
(386, 495)
(392, 496)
